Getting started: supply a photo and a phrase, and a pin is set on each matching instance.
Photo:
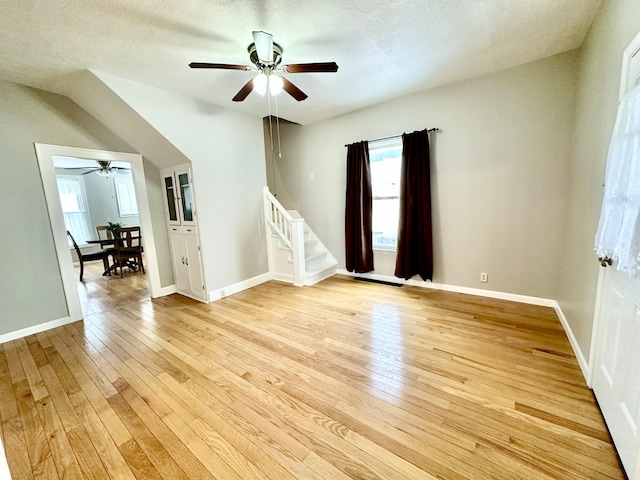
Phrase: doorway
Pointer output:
(45, 154)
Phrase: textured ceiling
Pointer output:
(384, 48)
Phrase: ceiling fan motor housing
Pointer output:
(262, 66)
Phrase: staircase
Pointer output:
(296, 255)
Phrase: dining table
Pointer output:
(102, 241)
(105, 242)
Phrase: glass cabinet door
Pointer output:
(187, 208)
(171, 200)
(185, 194)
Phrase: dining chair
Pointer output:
(89, 257)
(107, 233)
(127, 249)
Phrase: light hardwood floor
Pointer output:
(345, 379)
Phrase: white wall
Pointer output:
(31, 289)
(499, 170)
(600, 64)
(103, 203)
(227, 154)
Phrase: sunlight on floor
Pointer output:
(386, 350)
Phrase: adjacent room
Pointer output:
(376, 239)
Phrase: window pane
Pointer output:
(73, 201)
(171, 199)
(386, 158)
(126, 195)
(385, 223)
(69, 202)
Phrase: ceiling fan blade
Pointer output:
(311, 67)
(244, 91)
(292, 90)
(264, 46)
(222, 66)
(91, 171)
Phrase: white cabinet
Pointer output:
(187, 262)
(183, 232)
(178, 253)
(193, 263)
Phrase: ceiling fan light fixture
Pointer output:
(275, 84)
(106, 172)
(260, 84)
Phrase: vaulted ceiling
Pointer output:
(384, 48)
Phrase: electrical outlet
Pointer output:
(484, 277)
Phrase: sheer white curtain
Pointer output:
(618, 235)
(72, 199)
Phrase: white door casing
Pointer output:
(45, 154)
(615, 346)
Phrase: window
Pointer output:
(385, 157)
(74, 207)
(126, 195)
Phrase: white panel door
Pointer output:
(616, 381)
(616, 376)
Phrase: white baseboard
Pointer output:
(24, 332)
(543, 302)
(282, 277)
(577, 351)
(239, 287)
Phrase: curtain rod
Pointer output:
(434, 129)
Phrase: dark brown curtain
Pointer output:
(415, 245)
(357, 223)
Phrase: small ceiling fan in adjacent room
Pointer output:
(266, 56)
(104, 169)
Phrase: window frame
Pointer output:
(384, 144)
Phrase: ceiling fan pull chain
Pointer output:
(278, 127)
(270, 124)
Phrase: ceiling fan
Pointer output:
(104, 169)
(266, 56)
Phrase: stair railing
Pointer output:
(290, 231)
